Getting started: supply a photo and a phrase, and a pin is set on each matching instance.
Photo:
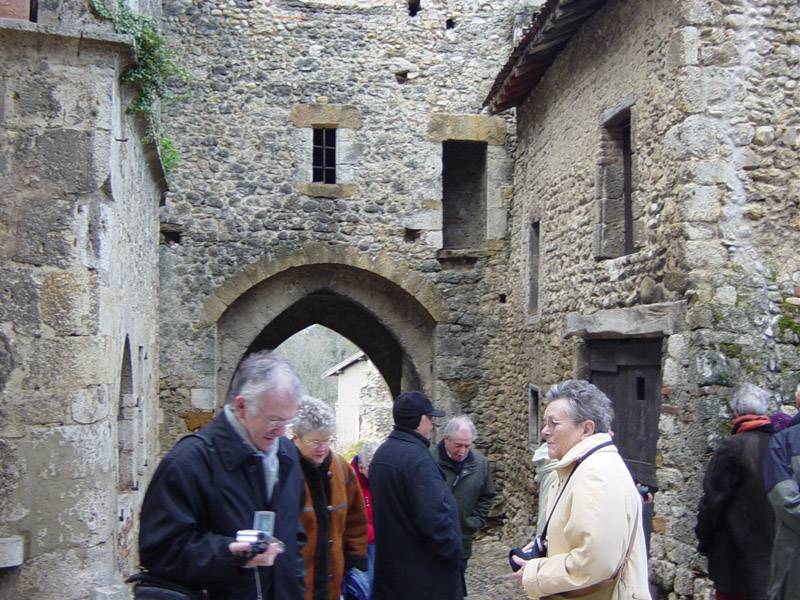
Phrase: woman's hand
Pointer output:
(521, 562)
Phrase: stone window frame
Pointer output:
(346, 119)
(443, 127)
(616, 171)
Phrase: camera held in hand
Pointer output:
(259, 542)
(537, 550)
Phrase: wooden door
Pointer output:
(629, 372)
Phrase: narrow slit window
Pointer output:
(324, 159)
(533, 268)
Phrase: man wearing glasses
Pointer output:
(417, 533)
(211, 483)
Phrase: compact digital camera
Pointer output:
(259, 541)
(537, 550)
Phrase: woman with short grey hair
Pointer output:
(334, 517)
(734, 519)
(594, 544)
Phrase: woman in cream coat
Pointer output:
(596, 546)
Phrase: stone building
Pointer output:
(363, 402)
(630, 221)
(653, 229)
(78, 305)
(327, 182)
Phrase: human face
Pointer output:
(275, 409)
(560, 431)
(425, 427)
(458, 444)
(316, 445)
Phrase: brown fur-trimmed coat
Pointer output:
(339, 539)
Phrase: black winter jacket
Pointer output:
(417, 535)
(200, 496)
(734, 520)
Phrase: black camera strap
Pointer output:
(578, 462)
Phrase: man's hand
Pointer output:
(265, 559)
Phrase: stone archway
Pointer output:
(384, 316)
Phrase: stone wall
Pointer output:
(263, 249)
(714, 116)
(78, 306)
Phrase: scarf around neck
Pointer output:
(744, 423)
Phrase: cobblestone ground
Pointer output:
(488, 572)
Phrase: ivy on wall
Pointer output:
(156, 67)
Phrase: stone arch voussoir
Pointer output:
(318, 254)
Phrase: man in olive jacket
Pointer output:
(418, 540)
(468, 476)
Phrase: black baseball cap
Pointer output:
(410, 406)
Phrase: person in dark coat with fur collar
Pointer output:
(734, 520)
(417, 531)
(334, 517)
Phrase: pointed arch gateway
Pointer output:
(386, 310)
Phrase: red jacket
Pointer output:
(364, 483)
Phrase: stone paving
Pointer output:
(488, 573)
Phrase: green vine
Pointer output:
(156, 66)
(789, 319)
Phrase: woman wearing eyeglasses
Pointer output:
(334, 516)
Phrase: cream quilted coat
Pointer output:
(598, 514)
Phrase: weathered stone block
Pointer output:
(65, 157)
(475, 128)
(326, 190)
(11, 551)
(69, 363)
(325, 115)
(424, 220)
(44, 233)
(19, 297)
(653, 319)
(203, 398)
(69, 302)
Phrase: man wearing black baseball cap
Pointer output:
(417, 534)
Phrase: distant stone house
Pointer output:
(363, 401)
(655, 223)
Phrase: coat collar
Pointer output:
(233, 450)
(582, 447)
(409, 436)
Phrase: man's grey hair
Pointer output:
(457, 423)
(313, 415)
(586, 402)
(260, 373)
(749, 399)
(366, 453)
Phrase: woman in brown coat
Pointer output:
(334, 517)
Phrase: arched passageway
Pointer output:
(387, 322)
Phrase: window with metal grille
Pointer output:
(324, 166)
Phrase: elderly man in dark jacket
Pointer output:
(734, 520)
(210, 485)
(416, 518)
(468, 475)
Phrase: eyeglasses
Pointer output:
(316, 444)
(552, 424)
(278, 424)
